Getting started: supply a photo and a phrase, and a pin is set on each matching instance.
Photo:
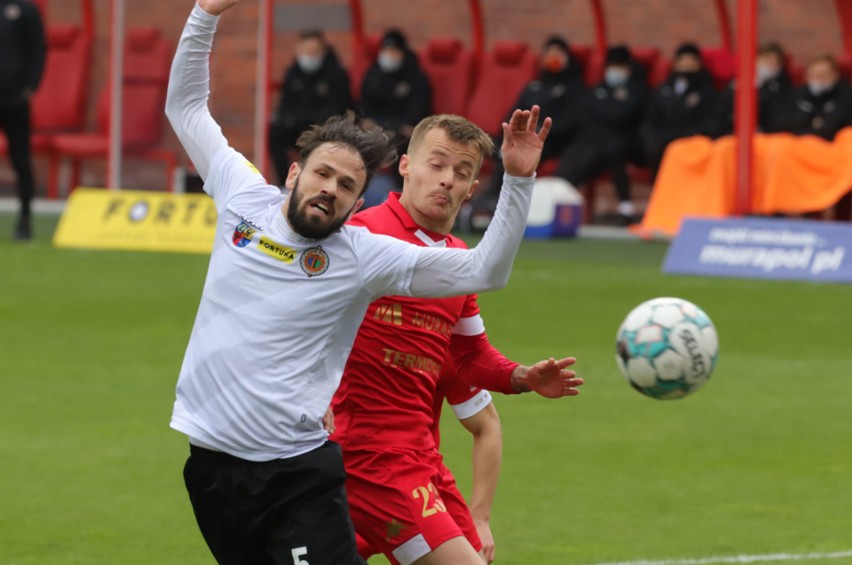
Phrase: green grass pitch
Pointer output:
(757, 462)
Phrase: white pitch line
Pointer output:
(740, 559)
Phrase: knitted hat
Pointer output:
(618, 55)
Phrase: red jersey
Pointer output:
(385, 400)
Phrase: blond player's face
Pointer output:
(326, 190)
(440, 174)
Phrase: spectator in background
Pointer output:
(559, 91)
(395, 92)
(315, 87)
(22, 54)
(682, 106)
(396, 95)
(823, 106)
(774, 93)
(609, 135)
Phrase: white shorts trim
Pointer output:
(412, 550)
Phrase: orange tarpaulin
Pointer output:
(792, 174)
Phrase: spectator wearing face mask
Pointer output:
(396, 95)
(608, 136)
(683, 106)
(395, 92)
(774, 93)
(823, 106)
(559, 91)
(315, 87)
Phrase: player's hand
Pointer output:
(522, 145)
(328, 421)
(216, 7)
(550, 378)
(487, 538)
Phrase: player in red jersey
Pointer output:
(383, 410)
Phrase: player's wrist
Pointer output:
(518, 380)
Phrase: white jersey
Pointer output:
(277, 318)
(279, 312)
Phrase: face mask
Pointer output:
(389, 63)
(764, 73)
(616, 77)
(555, 63)
(819, 88)
(308, 63)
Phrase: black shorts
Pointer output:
(287, 511)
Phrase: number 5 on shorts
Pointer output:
(298, 553)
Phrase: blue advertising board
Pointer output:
(765, 248)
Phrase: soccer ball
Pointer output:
(666, 348)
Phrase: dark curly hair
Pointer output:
(375, 145)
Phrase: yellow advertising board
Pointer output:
(137, 220)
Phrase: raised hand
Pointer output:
(550, 378)
(216, 7)
(522, 145)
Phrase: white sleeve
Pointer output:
(385, 263)
(189, 89)
(453, 272)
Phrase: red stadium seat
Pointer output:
(844, 63)
(59, 104)
(589, 61)
(361, 62)
(647, 58)
(450, 69)
(147, 60)
(504, 72)
(721, 63)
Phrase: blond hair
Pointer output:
(458, 129)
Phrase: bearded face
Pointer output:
(314, 217)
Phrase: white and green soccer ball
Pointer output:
(667, 348)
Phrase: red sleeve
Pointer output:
(479, 363)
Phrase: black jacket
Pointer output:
(618, 110)
(311, 98)
(560, 96)
(399, 98)
(822, 115)
(774, 97)
(671, 115)
(22, 49)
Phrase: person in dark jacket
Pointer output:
(22, 54)
(315, 87)
(774, 93)
(682, 106)
(608, 136)
(395, 92)
(823, 106)
(559, 91)
(396, 95)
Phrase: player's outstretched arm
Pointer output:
(450, 272)
(189, 86)
(550, 378)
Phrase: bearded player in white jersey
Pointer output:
(287, 287)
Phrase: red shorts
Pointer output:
(404, 505)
